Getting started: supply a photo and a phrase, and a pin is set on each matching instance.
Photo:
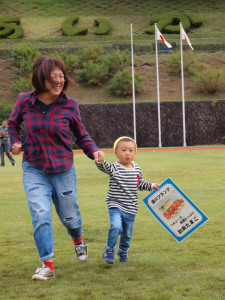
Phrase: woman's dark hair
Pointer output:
(42, 69)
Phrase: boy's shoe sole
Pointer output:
(108, 257)
(123, 257)
(43, 273)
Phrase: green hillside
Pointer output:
(42, 24)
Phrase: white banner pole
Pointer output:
(157, 78)
(133, 86)
(182, 84)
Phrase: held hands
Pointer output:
(17, 147)
(99, 157)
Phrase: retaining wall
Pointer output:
(205, 123)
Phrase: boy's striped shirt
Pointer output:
(123, 186)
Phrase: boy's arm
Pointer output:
(103, 165)
(147, 186)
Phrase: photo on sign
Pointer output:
(174, 210)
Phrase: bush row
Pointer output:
(92, 66)
(208, 80)
(97, 67)
(168, 23)
(104, 27)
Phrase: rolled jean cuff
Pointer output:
(120, 251)
(47, 257)
(109, 248)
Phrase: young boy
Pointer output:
(122, 199)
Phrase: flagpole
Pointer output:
(182, 84)
(133, 86)
(157, 78)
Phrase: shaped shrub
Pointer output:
(170, 22)
(69, 29)
(104, 26)
(174, 26)
(10, 28)
(195, 20)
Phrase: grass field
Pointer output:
(159, 267)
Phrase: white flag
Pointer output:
(160, 37)
(185, 37)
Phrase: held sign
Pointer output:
(174, 210)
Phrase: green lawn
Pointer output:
(159, 266)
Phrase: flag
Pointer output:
(160, 37)
(185, 37)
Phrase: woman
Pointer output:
(48, 170)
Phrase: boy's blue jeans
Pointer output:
(41, 189)
(120, 223)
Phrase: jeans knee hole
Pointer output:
(33, 189)
(67, 220)
(67, 193)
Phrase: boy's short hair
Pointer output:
(124, 139)
(42, 69)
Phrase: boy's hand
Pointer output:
(155, 186)
(99, 156)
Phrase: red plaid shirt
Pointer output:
(47, 140)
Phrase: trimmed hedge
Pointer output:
(104, 26)
(195, 20)
(174, 26)
(10, 28)
(170, 22)
(70, 30)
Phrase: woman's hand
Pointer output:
(99, 156)
(16, 149)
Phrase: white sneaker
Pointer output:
(81, 251)
(43, 273)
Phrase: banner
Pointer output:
(174, 210)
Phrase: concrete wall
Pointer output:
(205, 123)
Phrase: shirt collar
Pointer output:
(33, 96)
